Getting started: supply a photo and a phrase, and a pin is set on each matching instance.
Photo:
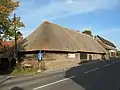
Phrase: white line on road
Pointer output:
(106, 65)
(53, 83)
(114, 62)
(91, 70)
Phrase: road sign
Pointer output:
(40, 55)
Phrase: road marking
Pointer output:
(114, 62)
(110, 63)
(53, 83)
(10, 77)
(106, 65)
(91, 70)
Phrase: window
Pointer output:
(83, 55)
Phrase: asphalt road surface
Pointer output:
(102, 75)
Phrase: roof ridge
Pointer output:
(106, 41)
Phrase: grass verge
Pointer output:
(17, 71)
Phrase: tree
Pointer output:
(118, 53)
(14, 28)
(88, 32)
(6, 8)
(8, 26)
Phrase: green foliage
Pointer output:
(16, 71)
(4, 49)
(88, 32)
(8, 26)
(6, 8)
(14, 27)
(118, 53)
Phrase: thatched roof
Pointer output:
(106, 41)
(53, 37)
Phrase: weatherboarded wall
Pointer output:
(94, 56)
(62, 60)
(67, 59)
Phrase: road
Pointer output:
(102, 75)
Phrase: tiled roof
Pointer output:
(7, 43)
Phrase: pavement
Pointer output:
(100, 75)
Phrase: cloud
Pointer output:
(62, 8)
(109, 31)
(69, 1)
(33, 12)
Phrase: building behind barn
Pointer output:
(107, 45)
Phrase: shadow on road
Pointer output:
(91, 81)
(16, 88)
(2, 81)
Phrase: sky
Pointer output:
(102, 17)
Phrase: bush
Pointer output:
(17, 71)
(118, 53)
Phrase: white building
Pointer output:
(109, 46)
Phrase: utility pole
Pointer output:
(15, 51)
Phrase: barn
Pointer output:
(60, 46)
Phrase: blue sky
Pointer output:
(102, 17)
